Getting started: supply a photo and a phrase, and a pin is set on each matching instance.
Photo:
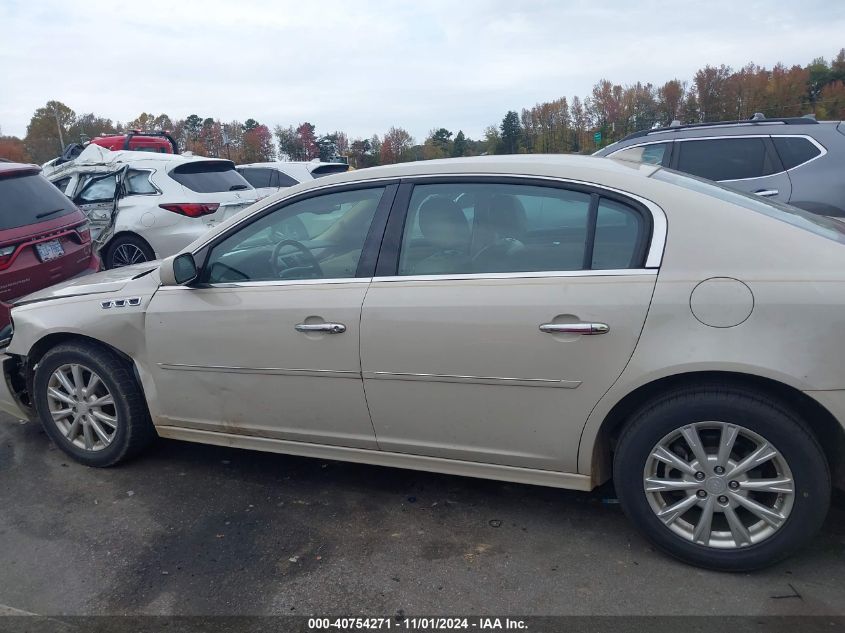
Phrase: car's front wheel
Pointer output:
(90, 404)
(722, 478)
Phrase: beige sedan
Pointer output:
(551, 320)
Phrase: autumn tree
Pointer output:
(12, 148)
(257, 144)
(307, 141)
(396, 146)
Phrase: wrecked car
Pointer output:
(144, 205)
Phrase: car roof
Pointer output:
(804, 126)
(574, 166)
(9, 168)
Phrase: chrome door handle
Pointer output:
(767, 193)
(328, 328)
(575, 328)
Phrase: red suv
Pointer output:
(44, 237)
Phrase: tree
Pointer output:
(307, 141)
(47, 131)
(459, 147)
(670, 99)
(492, 140)
(12, 148)
(87, 126)
(257, 144)
(329, 148)
(396, 146)
(711, 84)
(831, 102)
(250, 124)
(511, 133)
(438, 144)
(289, 143)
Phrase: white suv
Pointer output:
(144, 206)
(268, 178)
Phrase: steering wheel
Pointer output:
(311, 262)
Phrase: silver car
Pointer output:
(795, 160)
(551, 320)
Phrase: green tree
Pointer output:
(87, 126)
(47, 132)
(459, 147)
(511, 133)
(289, 143)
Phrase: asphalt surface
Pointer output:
(201, 530)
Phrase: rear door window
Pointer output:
(469, 228)
(30, 199)
(795, 150)
(209, 176)
(725, 158)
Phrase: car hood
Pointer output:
(103, 282)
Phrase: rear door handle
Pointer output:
(767, 193)
(328, 328)
(575, 328)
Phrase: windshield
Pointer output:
(30, 199)
(817, 224)
(209, 176)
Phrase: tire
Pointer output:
(126, 250)
(129, 430)
(645, 482)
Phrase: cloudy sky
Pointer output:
(363, 66)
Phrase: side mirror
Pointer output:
(178, 270)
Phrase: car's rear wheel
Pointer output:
(721, 478)
(90, 404)
(127, 250)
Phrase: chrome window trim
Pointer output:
(542, 274)
(273, 282)
(659, 223)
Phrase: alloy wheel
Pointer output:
(82, 407)
(719, 485)
(127, 254)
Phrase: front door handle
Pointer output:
(575, 328)
(328, 328)
(767, 193)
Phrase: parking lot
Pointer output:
(191, 529)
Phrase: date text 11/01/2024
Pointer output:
(417, 624)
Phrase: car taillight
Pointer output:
(6, 254)
(84, 231)
(192, 209)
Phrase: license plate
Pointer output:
(49, 250)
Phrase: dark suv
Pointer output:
(44, 237)
(796, 160)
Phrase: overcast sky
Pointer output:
(362, 66)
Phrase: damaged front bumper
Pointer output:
(13, 399)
